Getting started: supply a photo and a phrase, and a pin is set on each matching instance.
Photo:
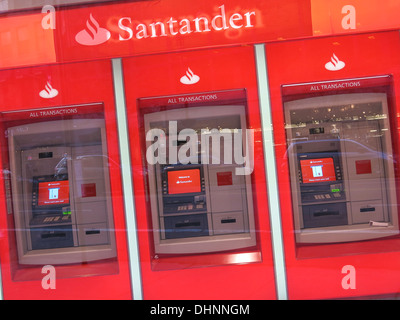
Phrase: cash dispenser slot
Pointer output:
(223, 221)
(52, 237)
(368, 209)
(90, 232)
(186, 226)
(324, 215)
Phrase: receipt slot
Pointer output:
(341, 168)
(61, 192)
(201, 198)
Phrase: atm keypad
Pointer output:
(190, 207)
(327, 196)
(321, 196)
(57, 219)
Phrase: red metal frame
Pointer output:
(78, 84)
(224, 278)
(314, 271)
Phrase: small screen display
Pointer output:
(317, 170)
(184, 181)
(53, 192)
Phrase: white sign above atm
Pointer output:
(345, 84)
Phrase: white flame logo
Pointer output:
(48, 92)
(190, 77)
(335, 64)
(93, 34)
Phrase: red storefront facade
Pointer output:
(110, 181)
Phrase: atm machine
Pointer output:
(341, 168)
(201, 198)
(61, 192)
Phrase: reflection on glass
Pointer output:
(60, 191)
(341, 168)
(200, 199)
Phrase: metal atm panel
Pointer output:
(200, 206)
(341, 167)
(61, 192)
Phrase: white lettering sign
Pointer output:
(172, 27)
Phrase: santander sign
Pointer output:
(93, 34)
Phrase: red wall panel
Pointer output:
(205, 276)
(78, 84)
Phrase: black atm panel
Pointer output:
(52, 237)
(325, 215)
(186, 226)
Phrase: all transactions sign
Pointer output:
(163, 26)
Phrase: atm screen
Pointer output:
(184, 181)
(317, 170)
(53, 192)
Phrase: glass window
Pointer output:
(199, 174)
(58, 186)
(341, 167)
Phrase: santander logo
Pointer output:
(190, 77)
(93, 34)
(335, 64)
(48, 92)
